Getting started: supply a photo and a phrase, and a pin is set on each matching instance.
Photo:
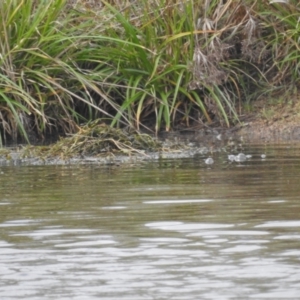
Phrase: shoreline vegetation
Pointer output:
(100, 68)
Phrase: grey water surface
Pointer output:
(170, 229)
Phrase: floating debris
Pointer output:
(263, 156)
(209, 161)
(231, 157)
(240, 157)
(219, 137)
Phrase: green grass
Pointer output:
(151, 64)
(43, 68)
(283, 23)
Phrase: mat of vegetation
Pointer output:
(147, 64)
(99, 143)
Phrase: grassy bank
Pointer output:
(155, 65)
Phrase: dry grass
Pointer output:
(96, 139)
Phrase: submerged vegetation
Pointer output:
(146, 65)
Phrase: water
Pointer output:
(167, 230)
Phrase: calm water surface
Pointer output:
(165, 230)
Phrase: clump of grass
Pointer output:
(185, 62)
(154, 65)
(282, 22)
(44, 68)
(142, 64)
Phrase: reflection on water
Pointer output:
(166, 230)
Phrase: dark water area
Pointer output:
(170, 229)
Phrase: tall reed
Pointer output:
(44, 67)
(156, 64)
